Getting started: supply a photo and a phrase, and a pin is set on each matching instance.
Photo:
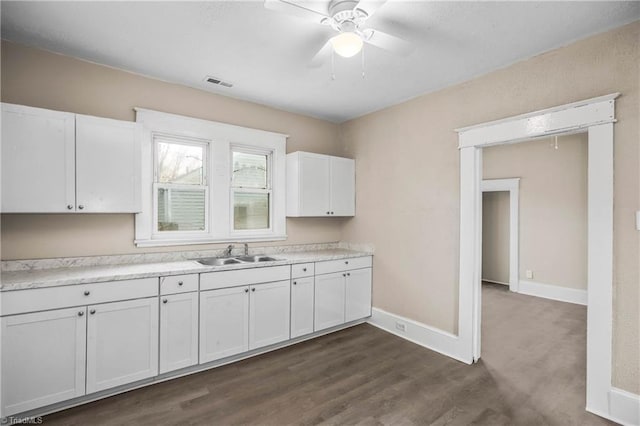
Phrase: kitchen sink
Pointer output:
(217, 261)
(221, 261)
(258, 258)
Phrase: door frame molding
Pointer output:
(595, 116)
(511, 185)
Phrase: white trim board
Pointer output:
(596, 116)
(624, 407)
(554, 292)
(416, 332)
(513, 186)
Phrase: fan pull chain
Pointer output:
(333, 68)
(362, 55)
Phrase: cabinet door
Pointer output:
(224, 323)
(269, 313)
(343, 189)
(38, 160)
(178, 331)
(329, 300)
(43, 358)
(358, 294)
(122, 343)
(302, 306)
(314, 185)
(107, 165)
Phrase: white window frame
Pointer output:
(245, 149)
(172, 235)
(222, 139)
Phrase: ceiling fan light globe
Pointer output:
(347, 44)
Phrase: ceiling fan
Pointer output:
(348, 18)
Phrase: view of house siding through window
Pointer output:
(180, 185)
(251, 191)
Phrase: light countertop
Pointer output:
(39, 278)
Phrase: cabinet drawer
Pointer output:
(178, 284)
(331, 266)
(222, 279)
(21, 301)
(302, 270)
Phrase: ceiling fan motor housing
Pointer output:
(345, 16)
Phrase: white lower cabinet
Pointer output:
(43, 358)
(302, 294)
(269, 314)
(358, 294)
(178, 331)
(122, 343)
(237, 319)
(224, 323)
(329, 300)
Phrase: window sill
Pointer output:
(186, 242)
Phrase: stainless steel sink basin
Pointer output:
(217, 261)
(258, 258)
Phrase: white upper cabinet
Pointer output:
(107, 165)
(320, 185)
(56, 162)
(38, 160)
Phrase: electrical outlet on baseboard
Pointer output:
(401, 326)
(529, 274)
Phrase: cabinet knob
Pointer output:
(81, 207)
(180, 283)
(81, 313)
(346, 262)
(348, 274)
(87, 292)
(93, 311)
(295, 283)
(164, 300)
(253, 289)
(328, 212)
(344, 275)
(331, 212)
(69, 206)
(304, 269)
(246, 290)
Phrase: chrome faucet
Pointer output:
(246, 249)
(227, 252)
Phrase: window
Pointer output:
(250, 189)
(180, 189)
(207, 182)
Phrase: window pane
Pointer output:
(178, 163)
(250, 211)
(249, 170)
(181, 210)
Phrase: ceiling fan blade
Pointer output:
(370, 6)
(388, 42)
(321, 56)
(293, 9)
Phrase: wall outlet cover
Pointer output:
(529, 274)
(401, 326)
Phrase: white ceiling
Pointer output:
(266, 54)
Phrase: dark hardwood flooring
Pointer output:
(532, 373)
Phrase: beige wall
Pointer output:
(406, 155)
(495, 236)
(553, 206)
(38, 78)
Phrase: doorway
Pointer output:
(596, 116)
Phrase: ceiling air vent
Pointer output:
(214, 80)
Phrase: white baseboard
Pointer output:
(624, 407)
(418, 333)
(494, 281)
(563, 294)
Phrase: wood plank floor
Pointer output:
(532, 373)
